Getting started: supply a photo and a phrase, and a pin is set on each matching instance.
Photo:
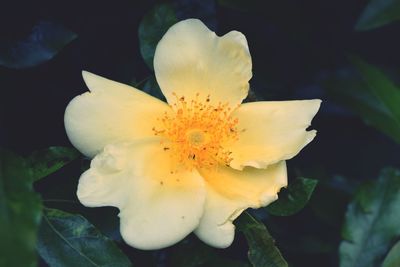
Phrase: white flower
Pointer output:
(195, 163)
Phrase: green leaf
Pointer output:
(70, 240)
(47, 161)
(294, 198)
(43, 43)
(373, 98)
(20, 211)
(378, 13)
(262, 249)
(151, 29)
(152, 88)
(393, 258)
(381, 87)
(372, 222)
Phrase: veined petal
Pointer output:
(271, 131)
(191, 59)
(229, 192)
(111, 112)
(159, 205)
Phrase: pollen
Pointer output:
(196, 132)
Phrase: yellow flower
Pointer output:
(194, 164)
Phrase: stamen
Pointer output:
(197, 130)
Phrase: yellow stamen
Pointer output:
(196, 132)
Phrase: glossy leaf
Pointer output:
(262, 249)
(372, 222)
(294, 198)
(393, 258)
(151, 29)
(20, 212)
(372, 97)
(44, 162)
(378, 13)
(384, 90)
(42, 44)
(70, 240)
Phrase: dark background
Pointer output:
(295, 46)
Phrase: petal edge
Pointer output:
(272, 131)
(191, 59)
(111, 112)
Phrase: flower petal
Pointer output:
(229, 192)
(271, 131)
(110, 112)
(158, 204)
(191, 59)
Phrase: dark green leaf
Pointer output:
(20, 211)
(371, 98)
(262, 249)
(294, 198)
(152, 27)
(43, 43)
(393, 258)
(372, 222)
(378, 13)
(70, 240)
(152, 88)
(381, 87)
(47, 161)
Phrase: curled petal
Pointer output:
(159, 205)
(229, 192)
(191, 59)
(111, 112)
(271, 131)
(101, 184)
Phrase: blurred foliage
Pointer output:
(70, 240)
(151, 87)
(42, 44)
(372, 222)
(294, 198)
(374, 97)
(378, 13)
(152, 28)
(44, 162)
(381, 87)
(262, 249)
(20, 212)
(393, 257)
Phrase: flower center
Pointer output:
(196, 137)
(198, 132)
